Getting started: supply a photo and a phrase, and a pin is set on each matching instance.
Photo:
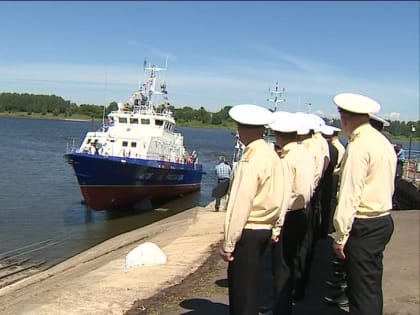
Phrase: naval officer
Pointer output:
(335, 141)
(305, 136)
(260, 192)
(328, 185)
(362, 219)
(287, 260)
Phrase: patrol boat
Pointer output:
(137, 154)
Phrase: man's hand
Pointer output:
(275, 239)
(225, 256)
(339, 250)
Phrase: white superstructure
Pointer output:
(140, 128)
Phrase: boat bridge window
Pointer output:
(145, 121)
(134, 121)
(122, 120)
(125, 143)
(133, 144)
(158, 122)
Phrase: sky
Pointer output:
(218, 53)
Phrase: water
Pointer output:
(40, 209)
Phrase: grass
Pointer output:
(46, 116)
(226, 125)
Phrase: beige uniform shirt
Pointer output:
(303, 171)
(325, 152)
(340, 148)
(260, 192)
(367, 180)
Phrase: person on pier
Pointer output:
(259, 195)
(362, 219)
(287, 260)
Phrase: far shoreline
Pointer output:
(194, 124)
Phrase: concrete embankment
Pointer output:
(97, 282)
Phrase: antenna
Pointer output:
(309, 107)
(277, 96)
(144, 71)
(106, 93)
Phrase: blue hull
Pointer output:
(112, 182)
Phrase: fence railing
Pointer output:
(411, 172)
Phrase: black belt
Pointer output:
(289, 211)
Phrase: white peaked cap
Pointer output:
(356, 103)
(284, 122)
(315, 122)
(302, 122)
(328, 130)
(249, 114)
(381, 120)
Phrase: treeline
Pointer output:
(48, 104)
(57, 106)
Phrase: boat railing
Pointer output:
(411, 169)
(161, 157)
(71, 147)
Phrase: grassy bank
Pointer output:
(180, 123)
(45, 116)
(227, 125)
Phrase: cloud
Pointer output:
(228, 83)
(153, 51)
(394, 116)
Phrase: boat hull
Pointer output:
(108, 183)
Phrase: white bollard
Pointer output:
(146, 254)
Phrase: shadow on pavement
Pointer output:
(321, 271)
(204, 307)
(313, 303)
(223, 283)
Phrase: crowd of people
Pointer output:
(285, 197)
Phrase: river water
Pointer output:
(41, 214)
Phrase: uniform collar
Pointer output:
(286, 149)
(358, 131)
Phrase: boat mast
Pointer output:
(150, 86)
(276, 96)
(106, 91)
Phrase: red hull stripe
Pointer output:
(111, 197)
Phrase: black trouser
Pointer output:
(335, 180)
(364, 254)
(316, 212)
(287, 264)
(326, 205)
(244, 272)
(217, 204)
(306, 252)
